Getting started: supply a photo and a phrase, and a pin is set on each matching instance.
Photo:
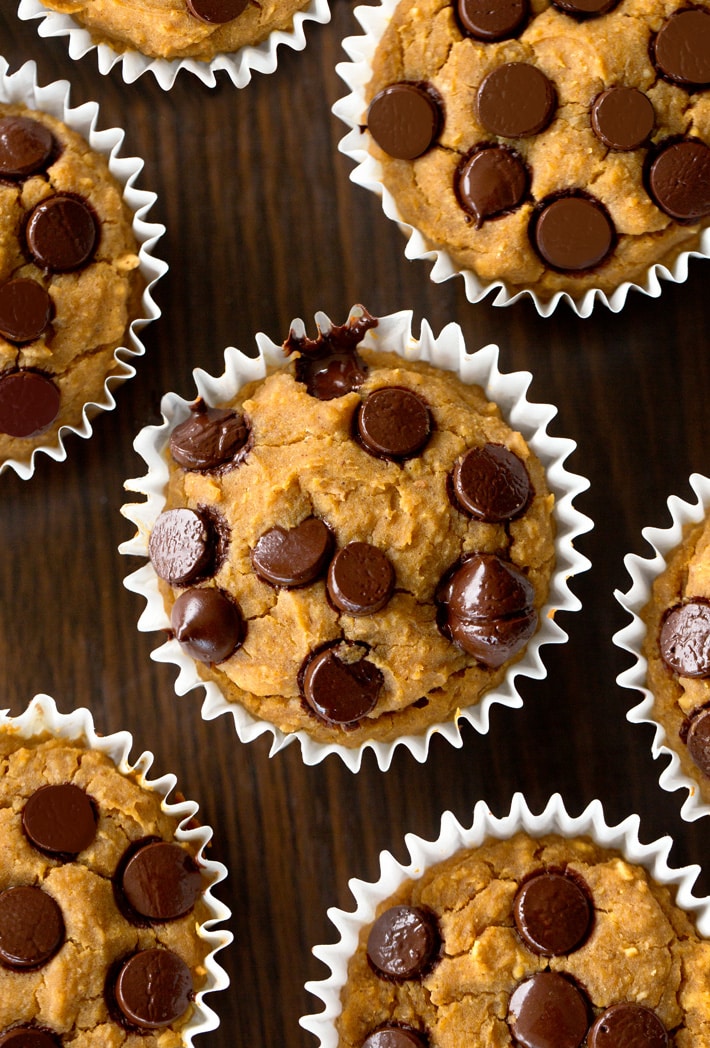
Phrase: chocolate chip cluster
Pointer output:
(684, 644)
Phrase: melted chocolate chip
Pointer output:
(586, 8)
(391, 1036)
(403, 942)
(679, 180)
(404, 119)
(360, 579)
(60, 820)
(295, 556)
(698, 741)
(209, 438)
(394, 423)
(208, 624)
(573, 233)
(491, 483)
(491, 182)
(516, 100)
(622, 118)
(161, 881)
(627, 1025)
(216, 12)
(340, 685)
(490, 22)
(548, 1011)
(153, 988)
(330, 366)
(552, 914)
(182, 546)
(62, 233)
(681, 50)
(684, 639)
(28, 1037)
(25, 310)
(29, 403)
(26, 146)
(31, 927)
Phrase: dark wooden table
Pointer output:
(264, 226)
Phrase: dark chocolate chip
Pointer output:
(623, 118)
(360, 579)
(403, 942)
(586, 8)
(548, 1011)
(208, 624)
(491, 483)
(552, 914)
(31, 927)
(161, 881)
(681, 50)
(182, 546)
(62, 233)
(679, 180)
(404, 119)
(491, 181)
(153, 988)
(26, 146)
(516, 100)
(628, 1025)
(340, 685)
(216, 12)
(489, 22)
(698, 741)
(28, 1037)
(391, 1036)
(573, 233)
(209, 438)
(294, 556)
(60, 819)
(330, 365)
(394, 423)
(684, 639)
(29, 403)
(25, 310)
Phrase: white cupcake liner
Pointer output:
(21, 88)
(447, 351)
(643, 572)
(238, 65)
(41, 718)
(369, 174)
(453, 837)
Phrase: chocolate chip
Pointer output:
(25, 310)
(216, 12)
(182, 546)
(29, 403)
(339, 684)
(552, 914)
(491, 483)
(161, 881)
(209, 438)
(26, 146)
(622, 118)
(403, 942)
(490, 22)
(698, 741)
(31, 927)
(679, 180)
(573, 233)
(391, 1036)
(585, 8)
(330, 365)
(294, 556)
(548, 1011)
(486, 606)
(153, 988)
(28, 1037)
(208, 624)
(404, 119)
(516, 100)
(491, 181)
(62, 233)
(60, 820)
(394, 423)
(684, 639)
(360, 579)
(628, 1025)
(681, 50)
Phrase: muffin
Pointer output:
(105, 893)
(515, 933)
(356, 545)
(556, 148)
